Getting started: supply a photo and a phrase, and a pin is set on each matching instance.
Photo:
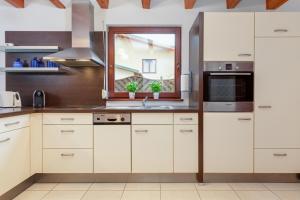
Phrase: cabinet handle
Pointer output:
(67, 119)
(5, 140)
(280, 30)
(186, 131)
(141, 131)
(12, 123)
(245, 54)
(186, 119)
(265, 107)
(244, 119)
(67, 131)
(280, 154)
(67, 154)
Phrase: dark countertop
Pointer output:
(8, 112)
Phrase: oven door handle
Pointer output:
(230, 74)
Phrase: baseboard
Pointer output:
(258, 178)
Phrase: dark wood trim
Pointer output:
(17, 3)
(189, 4)
(103, 3)
(149, 99)
(232, 3)
(127, 30)
(58, 4)
(146, 4)
(274, 4)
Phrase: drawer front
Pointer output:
(12, 123)
(152, 118)
(277, 161)
(68, 118)
(67, 136)
(67, 161)
(277, 24)
(185, 118)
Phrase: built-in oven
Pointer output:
(228, 86)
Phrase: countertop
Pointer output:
(8, 112)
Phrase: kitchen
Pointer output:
(216, 120)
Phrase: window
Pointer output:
(144, 55)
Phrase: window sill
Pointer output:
(141, 99)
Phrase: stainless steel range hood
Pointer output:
(81, 53)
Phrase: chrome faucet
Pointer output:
(145, 102)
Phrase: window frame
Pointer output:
(140, 30)
(149, 72)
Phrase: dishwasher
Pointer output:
(112, 142)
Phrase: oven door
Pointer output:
(228, 91)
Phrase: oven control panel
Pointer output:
(240, 66)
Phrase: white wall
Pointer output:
(42, 15)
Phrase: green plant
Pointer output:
(156, 86)
(132, 86)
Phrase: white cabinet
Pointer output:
(186, 148)
(277, 24)
(185, 118)
(152, 148)
(36, 143)
(112, 149)
(228, 36)
(68, 118)
(12, 123)
(228, 142)
(14, 158)
(277, 95)
(152, 118)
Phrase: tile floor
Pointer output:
(164, 191)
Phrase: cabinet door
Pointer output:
(112, 149)
(186, 148)
(14, 158)
(152, 148)
(36, 143)
(228, 36)
(277, 96)
(228, 142)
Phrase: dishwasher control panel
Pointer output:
(112, 118)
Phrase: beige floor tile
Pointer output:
(72, 186)
(283, 186)
(107, 186)
(31, 195)
(103, 195)
(288, 195)
(218, 195)
(257, 195)
(180, 195)
(141, 195)
(178, 186)
(248, 186)
(64, 195)
(142, 186)
(213, 186)
(42, 186)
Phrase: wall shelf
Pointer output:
(30, 70)
(29, 49)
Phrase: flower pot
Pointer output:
(131, 95)
(156, 95)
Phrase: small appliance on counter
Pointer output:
(39, 99)
(10, 99)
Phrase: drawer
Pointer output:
(68, 118)
(11, 123)
(277, 161)
(67, 161)
(185, 118)
(152, 118)
(67, 136)
(277, 24)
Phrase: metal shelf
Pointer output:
(29, 69)
(29, 49)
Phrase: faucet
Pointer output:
(145, 101)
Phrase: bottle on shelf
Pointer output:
(18, 63)
(34, 62)
(25, 63)
(41, 63)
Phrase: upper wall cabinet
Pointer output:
(277, 24)
(228, 36)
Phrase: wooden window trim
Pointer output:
(111, 70)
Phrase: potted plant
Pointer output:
(156, 89)
(131, 87)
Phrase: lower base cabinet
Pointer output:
(152, 149)
(68, 161)
(112, 149)
(228, 142)
(14, 158)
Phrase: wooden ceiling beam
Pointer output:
(146, 4)
(232, 3)
(274, 4)
(58, 4)
(189, 4)
(103, 3)
(17, 3)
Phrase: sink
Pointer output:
(139, 108)
(160, 107)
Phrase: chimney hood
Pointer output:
(81, 54)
